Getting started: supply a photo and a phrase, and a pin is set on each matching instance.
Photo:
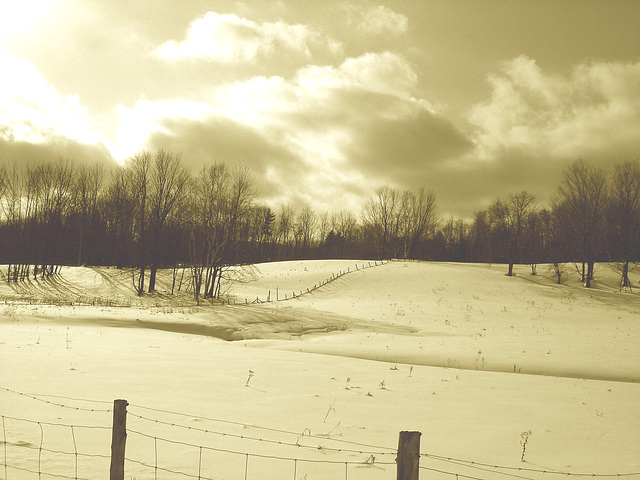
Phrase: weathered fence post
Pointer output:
(408, 461)
(118, 439)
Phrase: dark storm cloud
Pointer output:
(405, 151)
(223, 140)
(465, 187)
(15, 151)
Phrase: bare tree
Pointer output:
(139, 169)
(86, 190)
(455, 233)
(324, 226)
(208, 236)
(118, 212)
(262, 231)
(344, 225)
(580, 206)
(168, 181)
(624, 217)
(480, 237)
(284, 230)
(380, 216)
(240, 203)
(509, 220)
(304, 228)
(419, 218)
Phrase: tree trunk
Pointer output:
(140, 287)
(152, 277)
(510, 273)
(80, 246)
(625, 275)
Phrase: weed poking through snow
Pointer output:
(524, 438)
(301, 437)
(248, 379)
(331, 409)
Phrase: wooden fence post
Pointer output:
(118, 439)
(408, 461)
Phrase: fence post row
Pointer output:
(118, 439)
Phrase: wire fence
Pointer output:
(278, 295)
(29, 294)
(71, 439)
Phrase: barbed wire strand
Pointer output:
(258, 455)
(457, 475)
(55, 475)
(494, 471)
(478, 465)
(35, 397)
(64, 452)
(258, 427)
(263, 440)
(55, 424)
(164, 469)
(74, 399)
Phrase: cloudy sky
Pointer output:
(326, 100)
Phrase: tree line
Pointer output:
(153, 212)
(594, 216)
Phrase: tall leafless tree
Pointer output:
(624, 216)
(509, 220)
(169, 178)
(580, 206)
(284, 230)
(87, 187)
(139, 169)
(305, 226)
(380, 215)
(419, 218)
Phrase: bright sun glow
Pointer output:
(20, 17)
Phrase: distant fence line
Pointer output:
(285, 294)
(83, 463)
(181, 301)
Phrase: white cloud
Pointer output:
(136, 125)
(302, 131)
(374, 73)
(31, 110)
(377, 20)
(592, 110)
(229, 38)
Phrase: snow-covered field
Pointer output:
(319, 386)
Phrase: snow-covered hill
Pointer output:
(471, 358)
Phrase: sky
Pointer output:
(325, 101)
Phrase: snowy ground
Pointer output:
(315, 386)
